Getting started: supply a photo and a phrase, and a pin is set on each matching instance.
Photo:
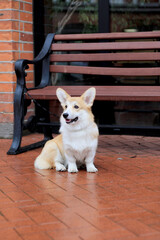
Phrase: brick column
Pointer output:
(16, 41)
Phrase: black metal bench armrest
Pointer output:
(22, 64)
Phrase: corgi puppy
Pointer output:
(77, 143)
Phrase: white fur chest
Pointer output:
(80, 144)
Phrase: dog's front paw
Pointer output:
(60, 167)
(72, 168)
(91, 168)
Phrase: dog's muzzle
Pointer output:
(68, 120)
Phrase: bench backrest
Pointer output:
(117, 50)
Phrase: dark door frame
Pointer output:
(38, 34)
(103, 16)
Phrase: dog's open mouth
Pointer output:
(68, 121)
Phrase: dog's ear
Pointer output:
(62, 95)
(89, 96)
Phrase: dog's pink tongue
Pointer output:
(68, 120)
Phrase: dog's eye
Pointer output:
(65, 106)
(76, 107)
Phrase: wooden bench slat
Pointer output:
(107, 93)
(114, 71)
(115, 35)
(138, 56)
(105, 46)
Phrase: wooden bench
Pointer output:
(95, 55)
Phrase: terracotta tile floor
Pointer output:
(120, 202)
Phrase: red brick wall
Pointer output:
(16, 41)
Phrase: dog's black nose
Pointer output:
(65, 115)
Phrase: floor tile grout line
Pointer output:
(147, 210)
(149, 225)
(89, 222)
(84, 202)
(59, 201)
(124, 227)
(18, 233)
(59, 220)
(7, 196)
(29, 216)
(47, 212)
(4, 216)
(82, 188)
(49, 236)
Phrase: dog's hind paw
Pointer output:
(39, 164)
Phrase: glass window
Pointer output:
(71, 16)
(134, 15)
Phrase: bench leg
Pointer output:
(18, 120)
(19, 112)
